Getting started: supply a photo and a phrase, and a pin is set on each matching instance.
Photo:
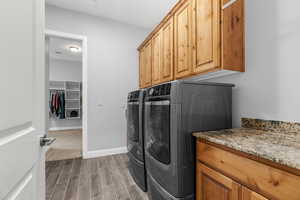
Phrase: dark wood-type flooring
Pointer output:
(105, 178)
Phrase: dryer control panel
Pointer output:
(160, 90)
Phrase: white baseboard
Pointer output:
(104, 152)
(64, 128)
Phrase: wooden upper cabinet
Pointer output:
(208, 36)
(156, 57)
(184, 39)
(212, 185)
(251, 195)
(196, 37)
(141, 69)
(146, 65)
(225, 1)
(167, 66)
(233, 35)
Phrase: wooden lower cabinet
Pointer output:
(251, 195)
(225, 174)
(212, 185)
(265, 178)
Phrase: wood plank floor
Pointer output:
(68, 145)
(105, 178)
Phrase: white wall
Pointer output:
(112, 71)
(270, 87)
(64, 70)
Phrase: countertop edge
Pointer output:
(278, 163)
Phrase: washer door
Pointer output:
(157, 129)
(133, 135)
(133, 121)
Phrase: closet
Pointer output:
(65, 100)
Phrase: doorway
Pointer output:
(66, 63)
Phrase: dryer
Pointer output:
(173, 111)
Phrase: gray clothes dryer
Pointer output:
(173, 111)
(135, 137)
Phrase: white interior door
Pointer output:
(23, 103)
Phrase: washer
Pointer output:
(135, 137)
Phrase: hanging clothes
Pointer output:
(51, 103)
(57, 104)
(62, 106)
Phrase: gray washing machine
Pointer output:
(173, 111)
(135, 137)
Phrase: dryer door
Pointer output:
(157, 128)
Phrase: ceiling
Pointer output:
(142, 13)
(59, 49)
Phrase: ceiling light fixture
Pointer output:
(75, 49)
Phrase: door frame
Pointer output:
(83, 39)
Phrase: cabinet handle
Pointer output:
(229, 3)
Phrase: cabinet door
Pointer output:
(147, 72)
(250, 195)
(212, 185)
(185, 51)
(156, 57)
(208, 35)
(167, 67)
(233, 35)
(141, 69)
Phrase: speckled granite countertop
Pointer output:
(272, 140)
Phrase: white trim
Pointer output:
(65, 128)
(64, 35)
(229, 3)
(105, 152)
(16, 193)
(13, 137)
(84, 81)
(212, 75)
(40, 97)
(84, 96)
